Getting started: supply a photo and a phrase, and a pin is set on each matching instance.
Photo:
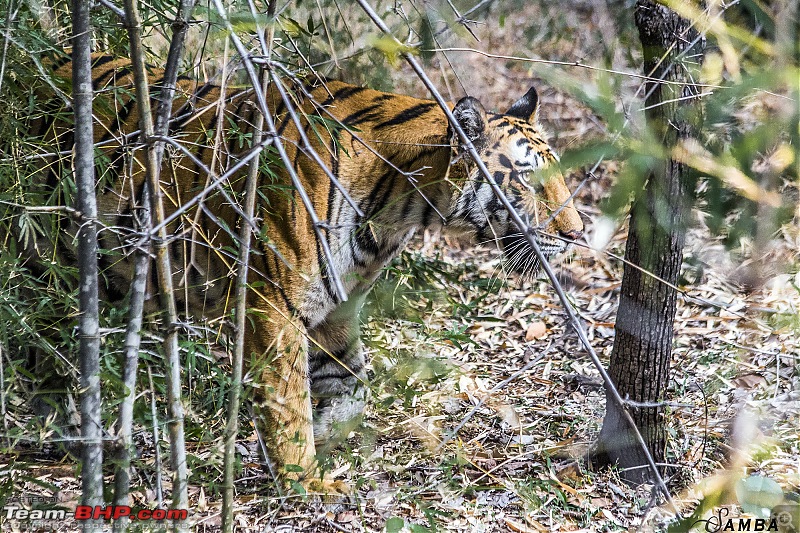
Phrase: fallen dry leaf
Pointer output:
(506, 412)
(536, 330)
(749, 381)
(519, 527)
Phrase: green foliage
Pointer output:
(758, 495)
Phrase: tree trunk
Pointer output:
(640, 359)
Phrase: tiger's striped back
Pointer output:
(394, 155)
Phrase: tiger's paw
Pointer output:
(336, 496)
(326, 487)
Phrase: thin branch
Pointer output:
(163, 264)
(529, 236)
(234, 396)
(12, 14)
(114, 8)
(571, 64)
(75, 213)
(338, 286)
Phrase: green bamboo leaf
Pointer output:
(394, 525)
(758, 495)
(392, 48)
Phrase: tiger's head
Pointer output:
(521, 162)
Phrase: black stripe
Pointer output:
(368, 202)
(391, 251)
(364, 235)
(338, 371)
(407, 205)
(427, 214)
(324, 268)
(284, 124)
(157, 84)
(331, 186)
(268, 270)
(54, 170)
(359, 116)
(102, 60)
(119, 120)
(287, 119)
(243, 124)
(342, 93)
(203, 90)
(506, 162)
(60, 62)
(407, 114)
(366, 241)
(279, 110)
(49, 117)
(429, 151)
(117, 73)
(320, 359)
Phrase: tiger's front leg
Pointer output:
(337, 368)
(282, 400)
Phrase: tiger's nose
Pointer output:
(572, 235)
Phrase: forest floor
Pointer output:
(484, 405)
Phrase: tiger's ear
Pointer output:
(471, 116)
(526, 107)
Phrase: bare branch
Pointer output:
(114, 8)
(529, 236)
(234, 396)
(571, 64)
(341, 293)
(163, 264)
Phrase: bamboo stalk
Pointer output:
(133, 338)
(163, 264)
(89, 323)
(156, 439)
(234, 397)
(141, 268)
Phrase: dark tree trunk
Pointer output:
(640, 359)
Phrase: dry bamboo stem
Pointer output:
(163, 264)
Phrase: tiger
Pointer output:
(400, 168)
